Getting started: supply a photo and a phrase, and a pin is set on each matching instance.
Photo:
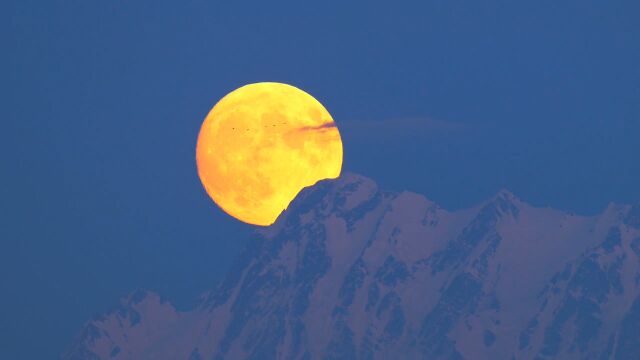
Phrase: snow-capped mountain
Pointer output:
(353, 272)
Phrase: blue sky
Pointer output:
(453, 99)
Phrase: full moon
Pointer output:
(263, 143)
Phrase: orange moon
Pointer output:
(263, 143)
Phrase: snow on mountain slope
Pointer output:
(350, 271)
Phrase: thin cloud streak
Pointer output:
(328, 125)
(395, 128)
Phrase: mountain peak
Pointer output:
(342, 194)
(503, 202)
(506, 194)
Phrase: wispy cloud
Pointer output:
(395, 128)
(328, 125)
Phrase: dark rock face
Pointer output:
(353, 272)
(632, 217)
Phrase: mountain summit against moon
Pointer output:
(350, 271)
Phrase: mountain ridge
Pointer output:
(352, 271)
